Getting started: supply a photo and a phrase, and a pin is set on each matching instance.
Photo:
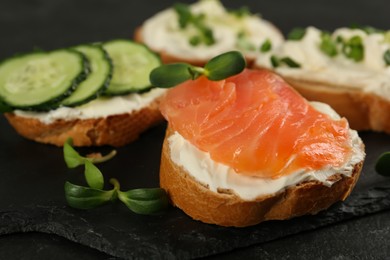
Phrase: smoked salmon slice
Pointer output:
(257, 124)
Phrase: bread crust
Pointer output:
(228, 209)
(364, 111)
(115, 130)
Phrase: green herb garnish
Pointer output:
(327, 45)
(243, 42)
(386, 57)
(296, 34)
(141, 201)
(354, 48)
(266, 46)
(383, 164)
(218, 68)
(277, 62)
(74, 159)
(186, 17)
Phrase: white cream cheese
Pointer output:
(219, 176)
(163, 33)
(101, 107)
(370, 74)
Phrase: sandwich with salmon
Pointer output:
(195, 33)
(249, 148)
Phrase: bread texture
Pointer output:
(115, 130)
(225, 208)
(364, 110)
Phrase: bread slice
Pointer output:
(115, 130)
(226, 208)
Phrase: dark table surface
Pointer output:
(30, 172)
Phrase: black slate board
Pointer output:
(32, 175)
(37, 174)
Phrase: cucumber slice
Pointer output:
(38, 81)
(133, 63)
(98, 78)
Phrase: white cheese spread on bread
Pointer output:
(162, 32)
(217, 176)
(100, 107)
(370, 73)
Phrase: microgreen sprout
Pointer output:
(141, 201)
(186, 17)
(327, 45)
(386, 57)
(382, 165)
(354, 48)
(296, 34)
(218, 68)
(266, 46)
(74, 159)
(289, 62)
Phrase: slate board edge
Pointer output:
(357, 205)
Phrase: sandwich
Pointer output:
(347, 69)
(97, 94)
(196, 33)
(249, 148)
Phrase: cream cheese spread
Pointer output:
(216, 176)
(101, 107)
(371, 74)
(162, 32)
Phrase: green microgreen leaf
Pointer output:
(296, 34)
(290, 62)
(354, 49)
(383, 164)
(170, 75)
(277, 62)
(218, 68)
(87, 198)
(386, 57)
(244, 43)
(225, 65)
(93, 176)
(73, 158)
(184, 14)
(186, 17)
(266, 46)
(145, 201)
(327, 45)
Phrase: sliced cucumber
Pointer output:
(133, 63)
(38, 81)
(98, 78)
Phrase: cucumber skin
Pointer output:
(147, 88)
(53, 103)
(105, 85)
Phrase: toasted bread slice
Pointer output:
(226, 208)
(114, 130)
